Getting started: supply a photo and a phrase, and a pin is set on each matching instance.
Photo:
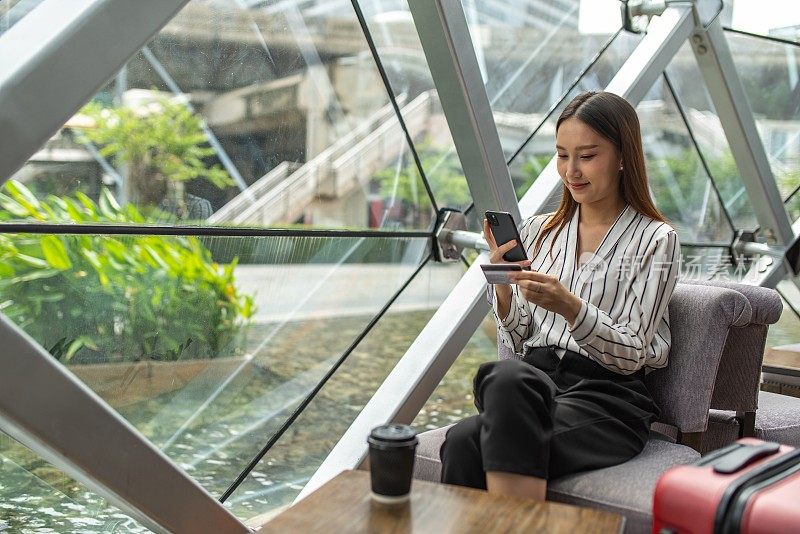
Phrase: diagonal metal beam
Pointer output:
(57, 57)
(446, 41)
(68, 425)
(409, 385)
(664, 38)
(730, 101)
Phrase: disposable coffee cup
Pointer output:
(391, 462)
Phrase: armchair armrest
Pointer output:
(701, 317)
(739, 372)
(765, 302)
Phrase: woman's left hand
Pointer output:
(547, 291)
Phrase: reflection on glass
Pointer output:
(680, 186)
(392, 29)
(785, 331)
(780, 20)
(793, 206)
(201, 343)
(37, 497)
(705, 125)
(537, 152)
(284, 470)
(713, 263)
(769, 73)
(249, 113)
(12, 11)
(452, 399)
(529, 53)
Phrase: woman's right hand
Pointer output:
(496, 253)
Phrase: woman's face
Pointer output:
(588, 163)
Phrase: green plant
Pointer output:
(166, 138)
(444, 174)
(531, 169)
(97, 298)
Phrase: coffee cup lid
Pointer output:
(394, 434)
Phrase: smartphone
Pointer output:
(504, 229)
(497, 273)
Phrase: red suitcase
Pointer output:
(750, 486)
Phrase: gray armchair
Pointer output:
(738, 408)
(703, 318)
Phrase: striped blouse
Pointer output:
(624, 287)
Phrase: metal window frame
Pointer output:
(714, 58)
(447, 44)
(58, 42)
(59, 417)
(448, 48)
(70, 426)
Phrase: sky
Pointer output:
(757, 16)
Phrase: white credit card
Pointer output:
(497, 273)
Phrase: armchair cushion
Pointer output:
(626, 488)
(777, 419)
(428, 463)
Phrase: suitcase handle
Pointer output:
(739, 458)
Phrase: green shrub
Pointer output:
(445, 177)
(100, 298)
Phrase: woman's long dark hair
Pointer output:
(612, 117)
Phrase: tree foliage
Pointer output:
(444, 174)
(166, 135)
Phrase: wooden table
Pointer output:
(344, 505)
(781, 370)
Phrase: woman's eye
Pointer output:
(562, 156)
(588, 156)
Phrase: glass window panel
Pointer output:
(707, 263)
(777, 18)
(278, 99)
(793, 207)
(769, 73)
(529, 53)
(452, 399)
(37, 497)
(201, 343)
(681, 188)
(785, 331)
(392, 29)
(284, 470)
(538, 151)
(707, 129)
(12, 11)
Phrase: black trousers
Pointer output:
(547, 418)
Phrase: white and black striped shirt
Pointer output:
(624, 287)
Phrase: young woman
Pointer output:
(587, 321)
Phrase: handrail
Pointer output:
(326, 173)
(265, 183)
